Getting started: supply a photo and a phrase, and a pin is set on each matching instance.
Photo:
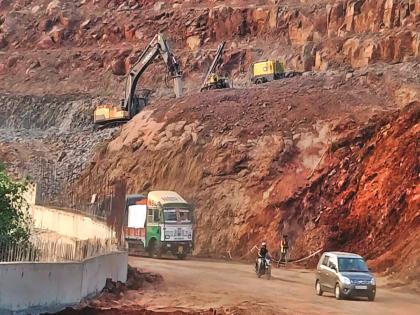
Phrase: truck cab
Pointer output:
(159, 223)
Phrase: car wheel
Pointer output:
(337, 292)
(371, 296)
(318, 288)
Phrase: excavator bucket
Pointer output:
(178, 86)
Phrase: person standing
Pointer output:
(284, 249)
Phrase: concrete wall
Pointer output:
(46, 287)
(69, 224)
(66, 223)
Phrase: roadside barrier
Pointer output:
(255, 247)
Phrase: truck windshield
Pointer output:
(352, 265)
(177, 216)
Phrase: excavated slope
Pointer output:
(244, 158)
(55, 45)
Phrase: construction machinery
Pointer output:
(212, 80)
(266, 71)
(269, 70)
(132, 103)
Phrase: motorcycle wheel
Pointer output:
(268, 273)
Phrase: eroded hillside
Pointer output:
(302, 156)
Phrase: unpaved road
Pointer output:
(193, 284)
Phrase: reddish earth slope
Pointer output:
(367, 199)
(244, 158)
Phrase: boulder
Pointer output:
(118, 66)
(45, 42)
(308, 56)
(158, 6)
(3, 41)
(53, 7)
(57, 34)
(194, 42)
(12, 61)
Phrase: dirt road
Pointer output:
(193, 284)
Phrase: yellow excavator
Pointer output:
(212, 80)
(109, 115)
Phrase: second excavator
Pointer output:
(212, 80)
(132, 104)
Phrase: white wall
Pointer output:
(66, 223)
(40, 287)
(69, 224)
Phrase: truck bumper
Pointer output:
(177, 248)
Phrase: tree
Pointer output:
(14, 219)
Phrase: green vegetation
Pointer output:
(14, 220)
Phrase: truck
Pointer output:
(158, 224)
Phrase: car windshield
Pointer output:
(352, 265)
(177, 216)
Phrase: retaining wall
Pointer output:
(69, 224)
(66, 223)
(34, 288)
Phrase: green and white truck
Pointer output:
(159, 223)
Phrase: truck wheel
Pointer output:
(153, 249)
(181, 256)
(259, 81)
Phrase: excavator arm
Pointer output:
(215, 64)
(157, 47)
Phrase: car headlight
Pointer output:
(373, 281)
(345, 280)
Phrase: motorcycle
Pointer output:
(263, 267)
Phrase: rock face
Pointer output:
(47, 138)
(308, 36)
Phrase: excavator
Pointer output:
(212, 80)
(110, 115)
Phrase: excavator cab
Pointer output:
(108, 115)
(215, 82)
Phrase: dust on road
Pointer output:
(193, 284)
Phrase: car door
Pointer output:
(324, 273)
(332, 273)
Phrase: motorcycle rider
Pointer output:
(262, 254)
